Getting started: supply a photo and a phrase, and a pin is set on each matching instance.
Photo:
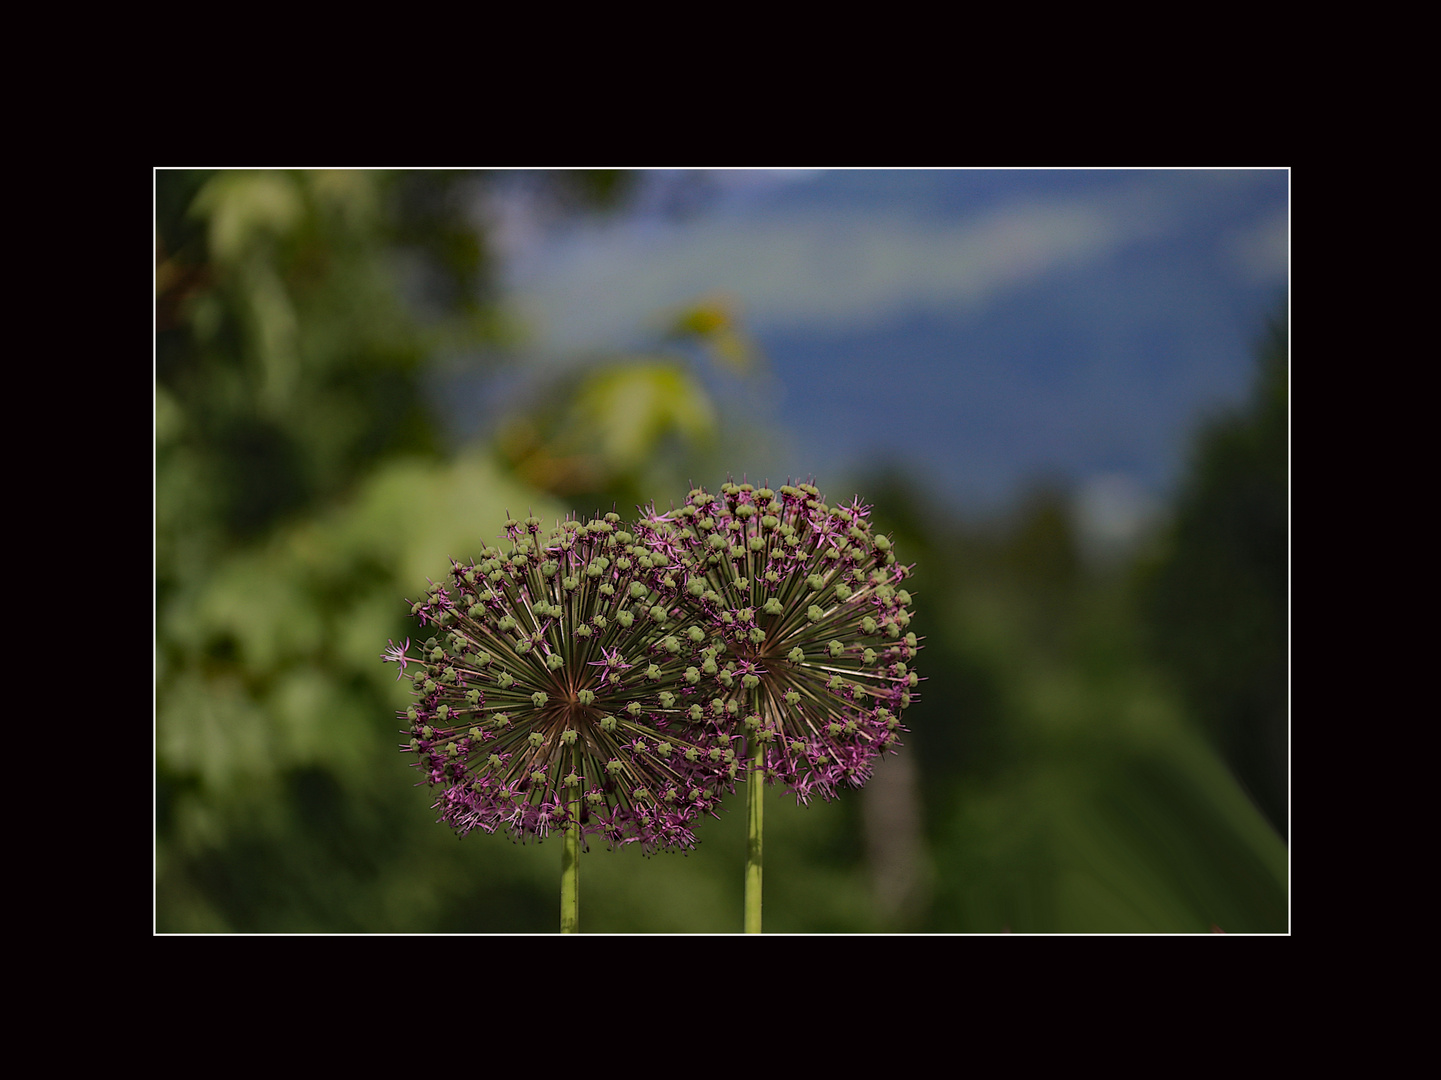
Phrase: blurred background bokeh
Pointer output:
(1064, 393)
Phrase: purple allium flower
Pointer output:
(396, 654)
(805, 626)
(555, 684)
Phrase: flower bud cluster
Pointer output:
(554, 685)
(808, 623)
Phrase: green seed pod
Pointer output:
(539, 698)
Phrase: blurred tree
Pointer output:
(1062, 790)
(295, 311)
(1217, 594)
(300, 494)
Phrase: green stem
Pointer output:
(570, 868)
(755, 813)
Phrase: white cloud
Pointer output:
(840, 268)
(1263, 252)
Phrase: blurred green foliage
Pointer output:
(1054, 780)
(1216, 591)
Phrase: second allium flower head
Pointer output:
(807, 621)
(621, 677)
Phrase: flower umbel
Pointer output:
(807, 622)
(556, 686)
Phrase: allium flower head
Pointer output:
(808, 625)
(557, 682)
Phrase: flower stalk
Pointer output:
(570, 866)
(755, 824)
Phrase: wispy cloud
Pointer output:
(832, 268)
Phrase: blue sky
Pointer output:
(981, 329)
